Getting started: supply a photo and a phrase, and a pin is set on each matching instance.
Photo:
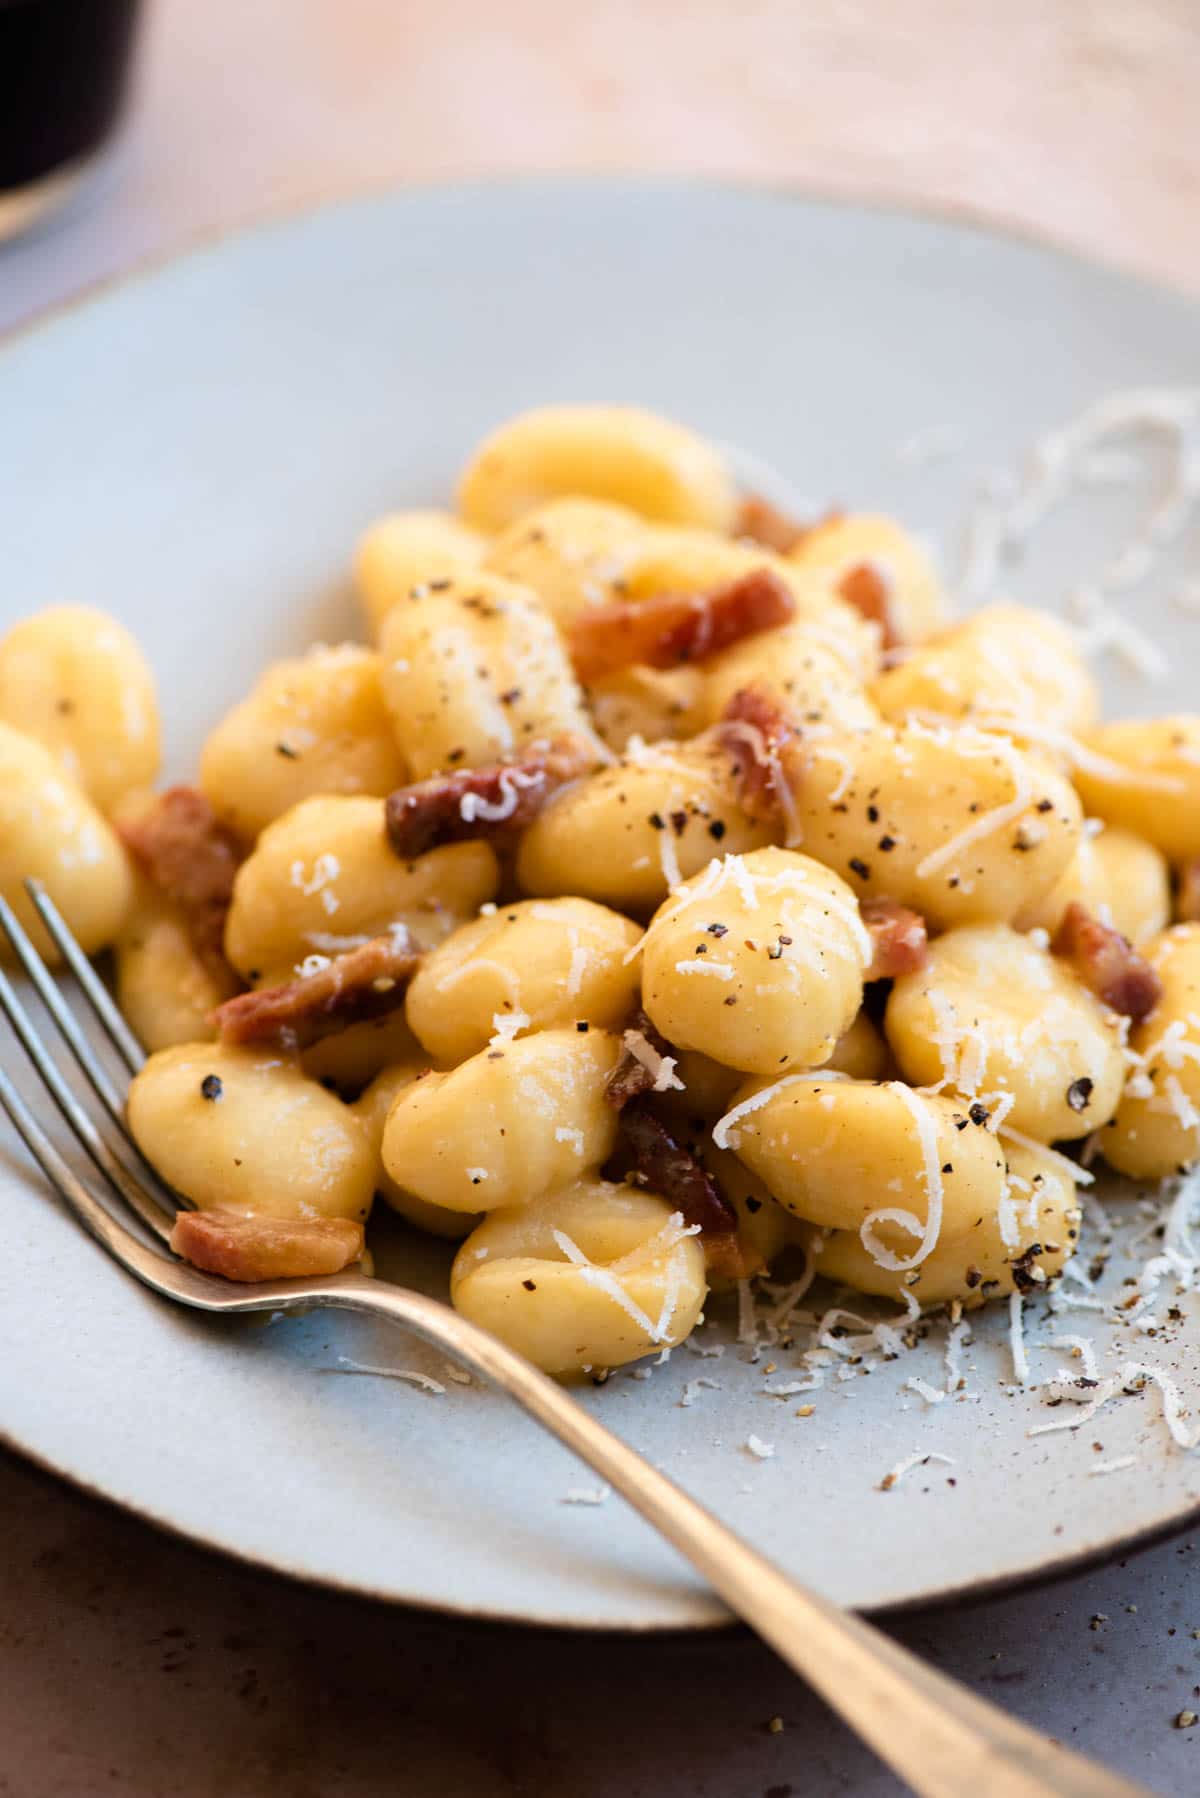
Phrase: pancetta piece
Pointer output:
(866, 589)
(367, 982)
(495, 801)
(192, 860)
(666, 1167)
(671, 628)
(899, 936)
(1108, 963)
(757, 733)
(266, 1248)
(1187, 899)
(646, 1056)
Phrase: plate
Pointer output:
(196, 450)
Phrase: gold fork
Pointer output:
(937, 1736)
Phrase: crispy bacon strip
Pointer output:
(1187, 899)
(495, 801)
(756, 732)
(1107, 962)
(631, 1077)
(192, 859)
(900, 938)
(670, 628)
(364, 983)
(266, 1248)
(666, 1166)
(867, 591)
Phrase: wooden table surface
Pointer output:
(130, 1663)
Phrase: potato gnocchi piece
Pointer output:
(506, 1126)
(589, 1276)
(1117, 877)
(861, 1052)
(74, 679)
(1007, 666)
(473, 671)
(1001, 1018)
(323, 878)
(1153, 788)
(627, 834)
(406, 550)
(573, 553)
(347, 1060)
(916, 600)
(650, 704)
(961, 825)
(846, 1155)
(1156, 1130)
(757, 962)
(245, 1130)
(50, 830)
(810, 681)
(619, 454)
(314, 725)
(371, 1109)
(1018, 1247)
(529, 966)
(165, 990)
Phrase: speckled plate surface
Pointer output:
(196, 450)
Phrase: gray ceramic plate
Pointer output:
(196, 450)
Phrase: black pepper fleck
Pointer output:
(211, 1087)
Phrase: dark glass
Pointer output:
(63, 71)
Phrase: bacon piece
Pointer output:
(670, 628)
(1187, 899)
(266, 1248)
(764, 523)
(757, 733)
(900, 939)
(631, 1077)
(367, 982)
(1107, 962)
(867, 590)
(668, 1168)
(192, 859)
(497, 800)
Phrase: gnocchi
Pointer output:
(657, 468)
(506, 1126)
(75, 679)
(474, 670)
(1147, 780)
(50, 830)
(916, 600)
(758, 962)
(407, 550)
(314, 725)
(1156, 1130)
(322, 878)
(245, 1130)
(591, 1275)
(1002, 1019)
(533, 965)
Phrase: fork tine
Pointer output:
(107, 1230)
(152, 1214)
(117, 1030)
(51, 996)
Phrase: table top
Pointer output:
(132, 1663)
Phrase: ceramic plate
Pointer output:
(196, 450)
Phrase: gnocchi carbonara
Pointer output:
(662, 889)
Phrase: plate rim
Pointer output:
(960, 216)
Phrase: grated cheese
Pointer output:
(662, 1067)
(929, 1231)
(919, 1458)
(586, 1495)
(721, 1129)
(762, 1451)
(1016, 1338)
(719, 968)
(409, 1375)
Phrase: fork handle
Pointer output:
(929, 1729)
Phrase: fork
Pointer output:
(937, 1736)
